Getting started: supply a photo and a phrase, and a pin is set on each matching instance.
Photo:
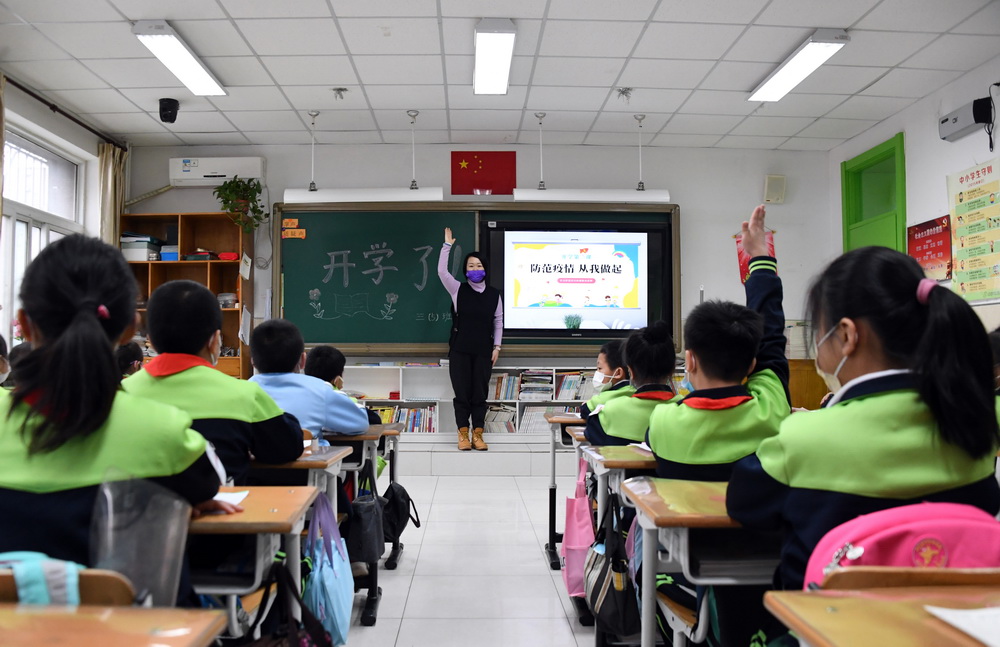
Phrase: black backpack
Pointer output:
(396, 511)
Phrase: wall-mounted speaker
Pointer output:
(774, 189)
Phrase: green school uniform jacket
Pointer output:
(621, 388)
(625, 420)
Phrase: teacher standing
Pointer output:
(476, 331)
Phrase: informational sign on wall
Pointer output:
(930, 243)
(975, 219)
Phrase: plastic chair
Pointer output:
(97, 587)
(139, 529)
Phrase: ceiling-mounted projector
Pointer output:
(965, 120)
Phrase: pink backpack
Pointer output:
(939, 535)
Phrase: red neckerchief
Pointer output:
(166, 364)
(663, 396)
(716, 404)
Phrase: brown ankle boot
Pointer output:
(463, 439)
(477, 440)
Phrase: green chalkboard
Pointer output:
(370, 276)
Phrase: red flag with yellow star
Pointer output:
(493, 171)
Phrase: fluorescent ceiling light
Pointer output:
(494, 50)
(383, 194)
(817, 49)
(166, 45)
(659, 196)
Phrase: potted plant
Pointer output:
(240, 197)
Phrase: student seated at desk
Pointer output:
(278, 354)
(67, 426)
(701, 436)
(649, 355)
(327, 363)
(611, 378)
(236, 416)
(912, 418)
(129, 357)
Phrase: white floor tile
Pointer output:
(450, 533)
(488, 560)
(382, 634)
(503, 512)
(395, 588)
(500, 597)
(477, 497)
(484, 633)
(494, 483)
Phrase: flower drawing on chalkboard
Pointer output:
(390, 299)
(314, 295)
(314, 303)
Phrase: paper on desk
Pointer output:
(597, 410)
(981, 624)
(641, 445)
(232, 497)
(245, 320)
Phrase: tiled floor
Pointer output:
(474, 572)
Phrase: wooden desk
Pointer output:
(667, 510)
(878, 617)
(609, 463)
(23, 625)
(324, 468)
(556, 423)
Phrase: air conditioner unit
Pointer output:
(213, 171)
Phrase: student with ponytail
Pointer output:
(67, 426)
(912, 417)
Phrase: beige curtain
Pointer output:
(111, 162)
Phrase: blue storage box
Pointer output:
(168, 256)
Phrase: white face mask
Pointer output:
(831, 380)
(3, 376)
(601, 381)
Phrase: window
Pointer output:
(40, 205)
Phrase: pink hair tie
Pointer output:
(924, 290)
(102, 312)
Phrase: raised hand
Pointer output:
(448, 238)
(754, 241)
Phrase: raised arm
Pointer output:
(450, 283)
(764, 295)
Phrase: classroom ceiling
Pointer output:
(690, 63)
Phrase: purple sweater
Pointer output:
(451, 284)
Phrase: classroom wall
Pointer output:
(715, 189)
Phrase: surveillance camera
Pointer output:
(168, 110)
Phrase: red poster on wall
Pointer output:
(930, 243)
(744, 258)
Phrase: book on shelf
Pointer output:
(533, 419)
(568, 385)
(419, 420)
(503, 386)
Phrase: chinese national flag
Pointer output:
(495, 171)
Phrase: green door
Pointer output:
(873, 185)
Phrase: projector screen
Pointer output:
(575, 280)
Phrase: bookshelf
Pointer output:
(191, 231)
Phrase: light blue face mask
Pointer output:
(686, 383)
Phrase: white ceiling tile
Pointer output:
(845, 128)
(620, 122)
(562, 138)
(411, 8)
(485, 119)
(880, 48)
(271, 9)
(483, 136)
(810, 144)
(723, 11)
(548, 98)
(459, 35)
(686, 141)
(601, 9)
(839, 79)
(772, 126)
(62, 11)
(801, 105)
(237, 70)
(54, 75)
(264, 120)
(877, 108)
(560, 120)
(768, 44)
(20, 42)
(281, 138)
(718, 102)
(213, 139)
(701, 124)
(126, 122)
(200, 122)
(795, 13)
(461, 97)
(459, 70)
(661, 73)
(103, 100)
(292, 36)
(151, 139)
(251, 98)
(405, 70)
(311, 70)
(398, 120)
(686, 41)
(589, 38)
(212, 37)
(391, 35)
(613, 139)
(148, 99)
(951, 52)
(134, 73)
(405, 97)
(579, 71)
(749, 141)
(318, 97)
(173, 10)
(421, 137)
(7, 17)
(489, 8)
(909, 83)
(352, 137)
(343, 120)
(920, 15)
(987, 21)
(735, 75)
(647, 100)
(95, 39)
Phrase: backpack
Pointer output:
(397, 510)
(922, 535)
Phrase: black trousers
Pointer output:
(470, 375)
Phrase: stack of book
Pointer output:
(137, 247)
(533, 420)
(536, 385)
(500, 420)
(503, 386)
(568, 385)
(417, 420)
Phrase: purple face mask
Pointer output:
(476, 276)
